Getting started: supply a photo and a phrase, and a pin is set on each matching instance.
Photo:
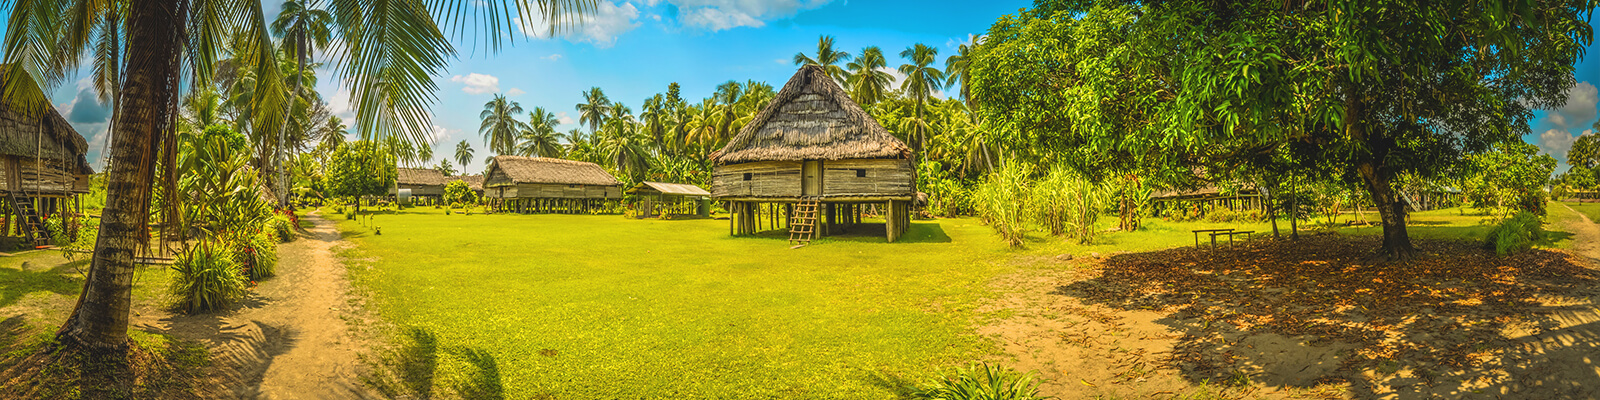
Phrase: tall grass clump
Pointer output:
(1068, 204)
(1515, 234)
(257, 256)
(981, 382)
(206, 278)
(281, 228)
(1001, 201)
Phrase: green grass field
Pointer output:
(1590, 209)
(605, 307)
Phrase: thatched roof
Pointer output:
(551, 170)
(474, 182)
(420, 177)
(27, 114)
(812, 118)
(677, 189)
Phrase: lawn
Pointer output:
(1590, 209)
(576, 306)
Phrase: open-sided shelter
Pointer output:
(813, 148)
(661, 199)
(43, 167)
(549, 185)
(426, 184)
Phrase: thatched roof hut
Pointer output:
(421, 181)
(41, 155)
(814, 144)
(531, 180)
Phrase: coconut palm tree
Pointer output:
(303, 29)
(655, 117)
(869, 84)
(391, 51)
(538, 137)
(921, 81)
(594, 108)
(463, 153)
(500, 125)
(826, 58)
(957, 65)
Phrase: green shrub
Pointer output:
(257, 255)
(83, 243)
(281, 229)
(1001, 201)
(350, 215)
(337, 209)
(1515, 234)
(206, 278)
(981, 382)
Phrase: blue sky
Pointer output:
(633, 48)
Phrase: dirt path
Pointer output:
(1587, 241)
(289, 339)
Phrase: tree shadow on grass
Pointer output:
(411, 369)
(152, 366)
(1456, 322)
(62, 279)
(918, 232)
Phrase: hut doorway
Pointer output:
(811, 178)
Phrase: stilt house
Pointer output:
(550, 185)
(43, 167)
(425, 183)
(820, 156)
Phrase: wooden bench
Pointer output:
(1197, 233)
(1230, 234)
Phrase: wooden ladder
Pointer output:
(32, 227)
(803, 224)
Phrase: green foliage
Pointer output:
(1516, 234)
(1508, 179)
(281, 229)
(256, 255)
(457, 191)
(981, 382)
(218, 192)
(206, 278)
(1067, 203)
(1001, 201)
(1585, 151)
(82, 243)
(360, 168)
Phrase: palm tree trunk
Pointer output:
(144, 122)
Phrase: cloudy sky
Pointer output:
(633, 48)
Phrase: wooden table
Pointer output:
(1197, 233)
(1230, 234)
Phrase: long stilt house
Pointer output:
(426, 184)
(43, 167)
(818, 155)
(550, 185)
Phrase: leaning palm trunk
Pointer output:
(144, 123)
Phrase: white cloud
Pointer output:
(339, 105)
(553, 57)
(515, 92)
(600, 28)
(476, 83)
(781, 61)
(718, 15)
(440, 133)
(562, 118)
(1579, 111)
(1556, 142)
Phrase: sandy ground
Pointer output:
(289, 339)
(1085, 348)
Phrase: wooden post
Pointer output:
(733, 218)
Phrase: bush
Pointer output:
(1068, 204)
(1000, 201)
(350, 215)
(338, 209)
(257, 255)
(281, 228)
(87, 234)
(1515, 234)
(981, 382)
(207, 278)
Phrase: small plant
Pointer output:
(1515, 234)
(350, 215)
(981, 382)
(257, 255)
(207, 278)
(83, 244)
(281, 228)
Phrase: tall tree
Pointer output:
(955, 67)
(1585, 151)
(869, 84)
(922, 80)
(1373, 90)
(594, 108)
(391, 51)
(538, 137)
(828, 59)
(463, 153)
(500, 125)
(303, 28)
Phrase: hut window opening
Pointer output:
(861, 173)
(747, 176)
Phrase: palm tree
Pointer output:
(303, 29)
(655, 118)
(592, 111)
(500, 124)
(826, 58)
(868, 82)
(957, 65)
(463, 153)
(391, 50)
(921, 81)
(539, 137)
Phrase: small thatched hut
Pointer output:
(426, 184)
(541, 184)
(662, 199)
(813, 146)
(43, 163)
(474, 182)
